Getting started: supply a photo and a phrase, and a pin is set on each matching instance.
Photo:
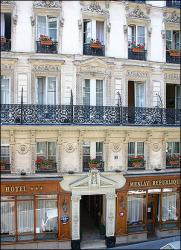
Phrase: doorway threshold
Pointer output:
(93, 244)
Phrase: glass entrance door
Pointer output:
(152, 212)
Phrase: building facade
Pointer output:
(82, 81)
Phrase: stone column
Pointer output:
(110, 219)
(59, 152)
(76, 217)
(33, 151)
(12, 151)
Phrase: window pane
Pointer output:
(51, 148)
(141, 31)
(41, 149)
(140, 148)
(136, 209)
(51, 95)
(5, 91)
(86, 92)
(5, 154)
(131, 148)
(87, 31)
(41, 92)
(41, 26)
(100, 31)
(169, 206)
(176, 148)
(7, 220)
(99, 92)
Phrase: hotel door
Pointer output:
(152, 212)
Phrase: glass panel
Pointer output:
(131, 35)
(152, 191)
(99, 151)
(41, 26)
(41, 149)
(52, 151)
(100, 31)
(86, 92)
(52, 196)
(52, 28)
(6, 198)
(24, 197)
(168, 39)
(8, 218)
(141, 35)
(176, 40)
(86, 154)
(87, 31)
(41, 90)
(47, 216)
(178, 97)
(140, 95)
(25, 216)
(131, 148)
(169, 206)
(51, 95)
(5, 158)
(140, 148)
(5, 91)
(99, 93)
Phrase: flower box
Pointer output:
(174, 163)
(174, 53)
(3, 167)
(47, 43)
(137, 50)
(137, 164)
(93, 165)
(96, 45)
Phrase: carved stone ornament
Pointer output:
(69, 147)
(8, 2)
(172, 77)
(156, 147)
(94, 7)
(80, 24)
(47, 4)
(108, 27)
(163, 33)
(22, 149)
(46, 68)
(136, 74)
(171, 17)
(32, 19)
(110, 196)
(125, 28)
(15, 19)
(94, 178)
(137, 13)
(116, 147)
(61, 21)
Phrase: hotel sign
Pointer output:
(17, 189)
(153, 183)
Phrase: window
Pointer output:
(47, 150)
(136, 155)
(46, 90)
(91, 87)
(86, 92)
(93, 30)
(136, 209)
(99, 151)
(172, 40)
(136, 34)
(5, 90)
(47, 25)
(5, 159)
(170, 205)
(173, 154)
(5, 31)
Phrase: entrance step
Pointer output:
(93, 244)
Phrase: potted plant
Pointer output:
(45, 40)
(93, 163)
(137, 47)
(43, 164)
(3, 164)
(174, 53)
(173, 160)
(95, 44)
(137, 161)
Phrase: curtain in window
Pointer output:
(99, 151)
(52, 151)
(87, 31)
(7, 218)
(169, 207)
(47, 215)
(51, 95)
(100, 31)
(140, 96)
(5, 153)
(2, 25)
(41, 26)
(168, 39)
(25, 216)
(41, 90)
(52, 28)
(5, 91)
(140, 148)
(141, 35)
(99, 93)
(135, 208)
(86, 92)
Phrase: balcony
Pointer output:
(173, 4)
(5, 44)
(173, 161)
(30, 114)
(48, 49)
(170, 58)
(100, 166)
(87, 50)
(51, 167)
(136, 163)
(137, 55)
(5, 168)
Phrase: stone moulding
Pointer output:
(137, 13)
(47, 4)
(171, 17)
(8, 2)
(94, 8)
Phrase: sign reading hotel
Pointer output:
(153, 183)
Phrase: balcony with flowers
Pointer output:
(137, 51)
(136, 162)
(94, 48)
(44, 165)
(5, 166)
(173, 161)
(46, 45)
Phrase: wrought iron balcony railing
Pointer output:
(87, 50)
(51, 49)
(5, 45)
(172, 59)
(173, 162)
(5, 168)
(173, 4)
(137, 55)
(51, 168)
(31, 114)
(86, 167)
(135, 163)
(139, 1)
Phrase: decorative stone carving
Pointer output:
(61, 21)
(116, 147)
(75, 198)
(156, 147)
(8, 2)
(47, 4)
(32, 20)
(15, 19)
(80, 24)
(136, 74)
(110, 196)
(69, 147)
(95, 8)
(172, 77)
(163, 33)
(171, 17)
(22, 149)
(46, 68)
(94, 179)
(149, 31)
(108, 27)
(137, 13)
(125, 28)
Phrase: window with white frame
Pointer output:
(46, 90)
(93, 30)
(5, 90)
(93, 93)
(172, 40)
(5, 154)
(46, 150)
(136, 35)
(47, 25)
(173, 154)
(136, 149)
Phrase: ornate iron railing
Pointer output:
(137, 55)
(52, 49)
(52, 168)
(172, 59)
(135, 164)
(86, 167)
(87, 50)
(31, 114)
(6, 45)
(173, 4)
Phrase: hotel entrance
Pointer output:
(152, 213)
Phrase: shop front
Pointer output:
(35, 212)
(148, 206)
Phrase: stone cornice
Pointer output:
(47, 4)
(94, 9)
